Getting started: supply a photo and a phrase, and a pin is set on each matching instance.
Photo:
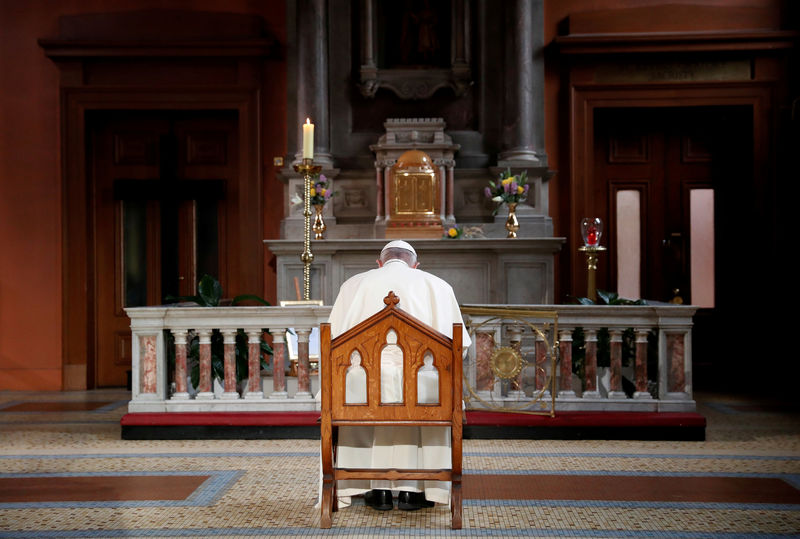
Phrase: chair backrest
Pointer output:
(423, 349)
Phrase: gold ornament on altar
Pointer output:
(506, 362)
(414, 198)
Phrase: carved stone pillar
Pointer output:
(278, 364)
(303, 378)
(590, 364)
(180, 364)
(229, 344)
(641, 365)
(312, 77)
(254, 365)
(205, 391)
(565, 372)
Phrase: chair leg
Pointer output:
(325, 506)
(455, 504)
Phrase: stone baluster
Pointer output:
(278, 364)
(180, 364)
(229, 344)
(615, 384)
(515, 384)
(205, 391)
(565, 369)
(303, 378)
(641, 365)
(541, 366)
(484, 379)
(590, 364)
(254, 390)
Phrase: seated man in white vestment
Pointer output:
(432, 301)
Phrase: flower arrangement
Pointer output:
(510, 188)
(320, 190)
(453, 233)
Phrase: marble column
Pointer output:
(565, 369)
(148, 359)
(303, 377)
(676, 363)
(522, 114)
(641, 365)
(181, 392)
(312, 77)
(590, 364)
(254, 365)
(229, 362)
(615, 383)
(205, 391)
(278, 364)
(379, 211)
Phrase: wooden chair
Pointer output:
(417, 341)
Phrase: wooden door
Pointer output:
(158, 195)
(672, 158)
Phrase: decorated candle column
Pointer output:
(590, 364)
(180, 364)
(278, 364)
(641, 365)
(254, 365)
(229, 342)
(303, 378)
(565, 368)
(615, 384)
(205, 391)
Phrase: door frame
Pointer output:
(585, 99)
(78, 281)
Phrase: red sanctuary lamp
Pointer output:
(591, 230)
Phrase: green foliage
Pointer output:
(209, 294)
(609, 298)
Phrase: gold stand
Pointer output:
(591, 265)
(307, 169)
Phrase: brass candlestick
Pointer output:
(591, 265)
(307, 168)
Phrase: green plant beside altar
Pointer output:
(209, 294)
(628, 348)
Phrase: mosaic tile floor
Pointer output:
(65, 472)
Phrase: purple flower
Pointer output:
(322, 178)
(487, 192)
(525, 189)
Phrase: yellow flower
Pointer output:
(507, 180)
(452, 232)
(520, 189)
(313, 192)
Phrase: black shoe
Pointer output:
(379, 499)
(411, 501)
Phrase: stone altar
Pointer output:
(483, 271)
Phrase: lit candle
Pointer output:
(308, 140)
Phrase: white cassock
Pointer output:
(432, 301)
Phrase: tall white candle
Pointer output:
(308, 140)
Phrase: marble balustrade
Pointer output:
(667, 388)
